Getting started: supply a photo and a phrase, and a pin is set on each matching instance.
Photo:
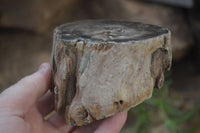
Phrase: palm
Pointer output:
(24, 105)
(33, 122)
(30, 122)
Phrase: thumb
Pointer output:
(28, 90)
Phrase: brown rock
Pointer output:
(37, 15)
(172, 18)
(103, 67)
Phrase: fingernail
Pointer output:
(43, 67)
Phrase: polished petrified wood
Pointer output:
(102, 67)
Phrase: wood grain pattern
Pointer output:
(102, 67)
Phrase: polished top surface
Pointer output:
(108, 31)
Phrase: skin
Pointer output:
(24, 105)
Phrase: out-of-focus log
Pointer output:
(151, 13)
(37, 15)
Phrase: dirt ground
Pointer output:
(21, 53)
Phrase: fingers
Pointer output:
(113, 124)
(28, 90)
(45, 104)
(91, 128)
(109, 125)
(59, 123)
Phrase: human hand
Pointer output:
(24, 105)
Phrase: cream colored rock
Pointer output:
(103, 67)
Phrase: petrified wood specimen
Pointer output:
(102, 67)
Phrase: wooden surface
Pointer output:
(102, 67)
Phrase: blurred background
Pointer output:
(26, 31)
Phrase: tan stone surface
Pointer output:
(103, 67)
